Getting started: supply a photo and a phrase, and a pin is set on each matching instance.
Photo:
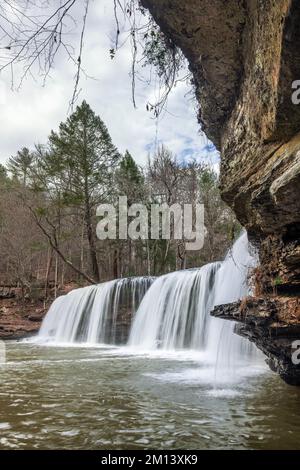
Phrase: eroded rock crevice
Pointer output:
(245, 56)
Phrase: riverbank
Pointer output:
(20, 319)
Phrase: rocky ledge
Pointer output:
(20, 319)
(273, 324)
(21, 315)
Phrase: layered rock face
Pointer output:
(274, 325)
(245, 56)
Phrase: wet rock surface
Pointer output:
(21, 315)
(19, 320)
(273, 324)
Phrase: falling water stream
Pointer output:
(140, 364)
(96, 314)
(175, 312)
(171, 312)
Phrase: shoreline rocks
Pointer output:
(20, 319)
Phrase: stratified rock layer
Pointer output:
(273, 324)
(245, 56)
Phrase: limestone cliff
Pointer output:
(244, 56)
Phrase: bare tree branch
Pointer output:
(54, 245)
(33, 32)
(77, 76)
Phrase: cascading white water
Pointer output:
(175, 312)
(95, 314)
(172, 311)
(224, 347)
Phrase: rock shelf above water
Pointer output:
(273, 324)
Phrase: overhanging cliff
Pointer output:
(244, 56)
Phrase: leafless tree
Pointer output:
(34, 32)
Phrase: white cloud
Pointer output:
(28, 116)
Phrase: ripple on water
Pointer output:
(146, 403)
(4, 426)
(70, 433)
(224, 393)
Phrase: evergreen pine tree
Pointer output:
(20, 165)
(82, 160)
(130, 180)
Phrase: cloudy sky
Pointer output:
(28, 115)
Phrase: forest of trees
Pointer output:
(48, 203)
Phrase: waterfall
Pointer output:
(225, 348)
(171, 312)
(175, 312)
(95, 314)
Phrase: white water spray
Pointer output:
(175, 312)
(169, 313)
(95, 314)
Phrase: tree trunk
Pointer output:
(55, 275)
(88, 218)
(49, 262)
(91, 242)
(54, 245)
(115, 264)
